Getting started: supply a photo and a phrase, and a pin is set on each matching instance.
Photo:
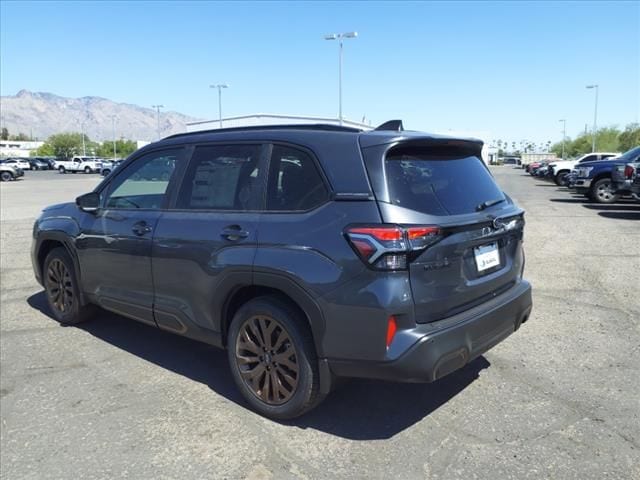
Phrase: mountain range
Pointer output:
(41, 114)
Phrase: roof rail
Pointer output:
(394, 125)
(308, 126)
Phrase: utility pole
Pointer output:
(564, 134)
(158, 107)
(595, 119)
(113, 124)
(219, 86)
(340, 37)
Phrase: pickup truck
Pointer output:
(79, 164)
(558, 170)
(626, 179)
(594, 178)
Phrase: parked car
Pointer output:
(20, 163)
(594, 178)
(110, 166)
(80, 164)
(309, 252)
(625, 179)
(37, 164)
(9, 171)
(559, 170)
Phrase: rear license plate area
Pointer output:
(487, 257)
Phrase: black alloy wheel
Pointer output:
(266, 358)
(59, 286)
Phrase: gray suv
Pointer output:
(309, 252)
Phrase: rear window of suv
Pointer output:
(439, 181)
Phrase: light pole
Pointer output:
(340, 37)
(219, 86)
(158, 107)
(113, 125)
(84, 148)
(564, 134)
(595, 120)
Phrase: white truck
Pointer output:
(79, 164)
(559, 170)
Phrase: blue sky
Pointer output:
(508, 68)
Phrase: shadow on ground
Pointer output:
(615, 206)
(621, 215)
(358, 410)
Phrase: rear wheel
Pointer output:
(602, 192)
(272, 358)
(61, 169)
(62, 288)
(87, 170)
(6, 176)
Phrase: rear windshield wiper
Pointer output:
(489, 203)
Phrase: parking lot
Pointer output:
(117, 399)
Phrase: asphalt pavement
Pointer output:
(112, 398)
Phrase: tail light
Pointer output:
(391, 247)
(628, 171)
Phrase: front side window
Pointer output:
(144, 183)
(222, 177)
(295, 183)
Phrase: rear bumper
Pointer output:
(440, 351)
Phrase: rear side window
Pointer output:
(439, 181)
(295, 183)
(222, 177)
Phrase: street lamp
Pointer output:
(219, 86)
(595, 120)
(340, 37)
(84, 147)
(564, 134)
(158, 107)
(113, 125)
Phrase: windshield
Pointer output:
(440, 185)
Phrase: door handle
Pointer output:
(140, 228)
(234, 233)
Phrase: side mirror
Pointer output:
(89, 202)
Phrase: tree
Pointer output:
(5, 134)
(21, 137)
(630, 137)
(63, 145)
(123, 148)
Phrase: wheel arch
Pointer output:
(50, 240)
(285, 290)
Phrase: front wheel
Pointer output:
(6, 176)
(62, 289)
(561, 177)
(601, 192)
(272, 358)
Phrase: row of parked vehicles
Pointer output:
(13, 168)
(603, 177)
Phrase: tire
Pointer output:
(601, 192)
(87, 170)
(298, 391)
(62, 289)
(61, 169)
(560, 177)
(6, 176)
(105, 173)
